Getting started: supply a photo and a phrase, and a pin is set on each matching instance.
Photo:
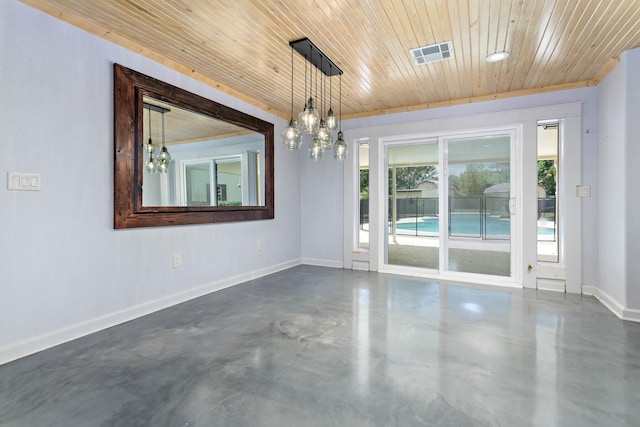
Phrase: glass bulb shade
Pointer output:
(332, 121)
(316, 152)
(322, 136)
(150, 164)
(148, 147)
(291, 137)
(340, 150)
(162, 166)
(312, 120)
(303, 116)
(164, 155)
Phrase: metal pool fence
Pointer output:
(482, 206)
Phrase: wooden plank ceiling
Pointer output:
(242, 46)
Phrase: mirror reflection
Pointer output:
(195, 160)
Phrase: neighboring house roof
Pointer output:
(427, 184)
(503, 187)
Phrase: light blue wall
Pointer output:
(323, 184)
(64, 270)
(611, 185)
(631, 63)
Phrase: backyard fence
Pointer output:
(481, 206)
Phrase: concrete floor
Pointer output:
(315, 346)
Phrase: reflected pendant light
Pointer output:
(340, 149)
(291, 136)
(150, 163)
(164, 158)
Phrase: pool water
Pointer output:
(467, 224)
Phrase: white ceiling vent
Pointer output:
(432, 53)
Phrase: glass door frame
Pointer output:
(515, 132)
(404, 143)
(514, 196)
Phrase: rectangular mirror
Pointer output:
(183, 159)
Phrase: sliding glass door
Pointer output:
(479, 205)
(450, 202)
(413, 205)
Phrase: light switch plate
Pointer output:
(583, 191)
(23, 181)
(176, 261)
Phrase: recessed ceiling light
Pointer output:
(498, 56)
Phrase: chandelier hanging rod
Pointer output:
(315, 56)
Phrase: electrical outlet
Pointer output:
(176, 261)
(259, 245)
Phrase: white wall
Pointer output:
(611, 185)
(64, 270)
(322, 196)
(631, 62)
(618, 152)
(320, 186)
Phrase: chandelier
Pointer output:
(161, 163)
(317, 123)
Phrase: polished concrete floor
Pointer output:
(314, 346)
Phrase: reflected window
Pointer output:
(198, 178)
(228, 182)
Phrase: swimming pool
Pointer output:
(466, 225)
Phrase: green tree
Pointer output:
(477, 177)
(408, 178)
(364, 184)
(501, 171)
(473, 181)
(547, 176)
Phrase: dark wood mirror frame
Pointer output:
(129, 89)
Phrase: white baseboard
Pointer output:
(323, 262)
(551, 285)
(360, 265)
(631, 314)
(608, 301)
(69, 333)
(612, 304)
